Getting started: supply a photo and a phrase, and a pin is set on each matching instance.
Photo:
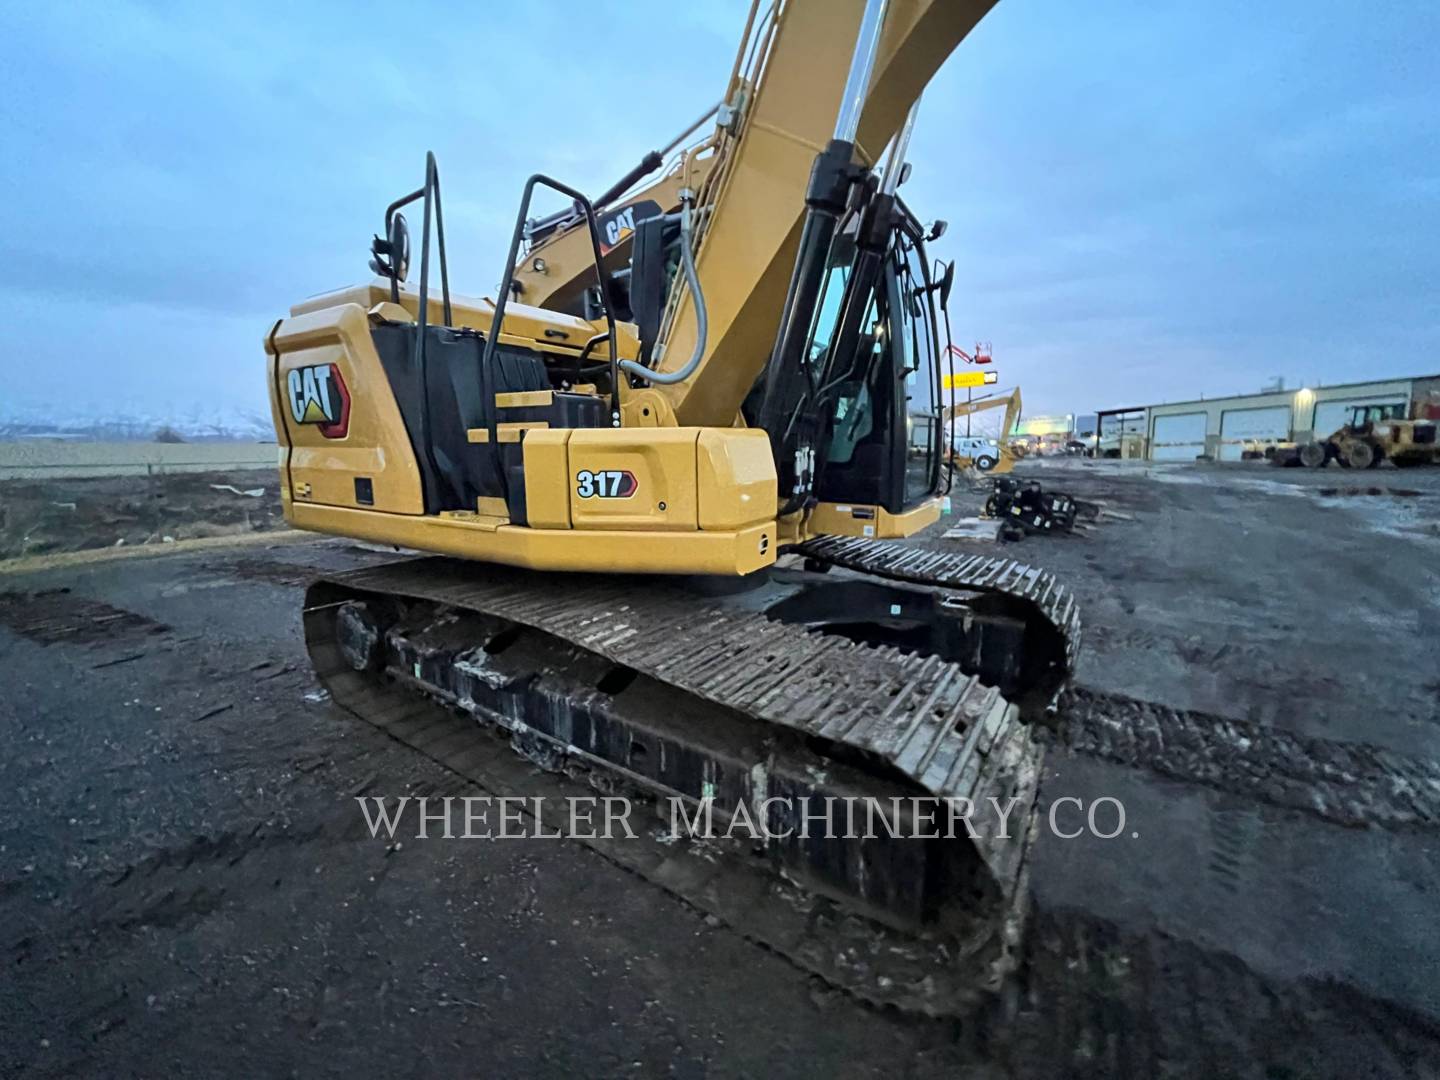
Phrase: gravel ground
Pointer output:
(183, 869)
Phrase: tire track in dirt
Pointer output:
(1094, 1001)
(1355, 785)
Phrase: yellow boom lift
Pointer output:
(674, 386)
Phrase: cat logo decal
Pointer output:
(619, 225)
(318, 395)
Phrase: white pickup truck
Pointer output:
(985, 453)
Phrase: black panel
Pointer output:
(513, 455)
(650, 279)
(566, 411)
(364, 491)
(517, 370)
(454, 471)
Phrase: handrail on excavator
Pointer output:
(506, 281)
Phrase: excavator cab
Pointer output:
(881, 439)
(887, 383)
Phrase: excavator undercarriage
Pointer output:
(852, 726)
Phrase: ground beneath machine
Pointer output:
(183, 863)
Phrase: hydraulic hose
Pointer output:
(692, 279)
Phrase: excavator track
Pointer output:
(1049, 610)
(643, 685)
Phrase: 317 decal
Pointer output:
(605, 484)
(318, 395)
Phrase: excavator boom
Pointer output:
(749, 245)
(1012, 405)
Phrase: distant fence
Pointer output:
(31, 459)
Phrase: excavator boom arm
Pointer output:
(752, 226)
(1012, 405)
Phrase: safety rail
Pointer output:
(430, 192)
(507, 283)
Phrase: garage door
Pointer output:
(1330, 416)
(1257, 427)
(1178, 438)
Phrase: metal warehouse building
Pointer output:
(1221, 427)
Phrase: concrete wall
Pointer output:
(40, 458)
(1302, 404)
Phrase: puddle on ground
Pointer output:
(1408, 493)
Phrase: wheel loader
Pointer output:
(1376, 433)
(660, 474)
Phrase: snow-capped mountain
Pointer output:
(130, 424)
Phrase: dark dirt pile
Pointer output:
(42, 517)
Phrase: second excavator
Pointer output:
(661, 474)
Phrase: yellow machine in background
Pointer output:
(1376, 433)
(1011, 403)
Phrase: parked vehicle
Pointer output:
(1373, 434)
(985, 453)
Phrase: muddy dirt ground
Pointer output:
(186, 886)
(46, 517)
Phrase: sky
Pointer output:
(1148, 200)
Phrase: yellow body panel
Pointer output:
(848, 519)
(524, 325)
(710, 494)
(662, 461)
(376, 445)
(547, 472)
(735, 477)
(507, 431)
(521, 399)
(612, 551)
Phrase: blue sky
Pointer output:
(1149, 199)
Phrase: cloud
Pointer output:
(1146, 200)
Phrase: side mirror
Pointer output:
(904, 174)
(947, 283)
(937, 230)
(391, 256)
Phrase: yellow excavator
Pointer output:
(711, 379)
(1011, 403)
